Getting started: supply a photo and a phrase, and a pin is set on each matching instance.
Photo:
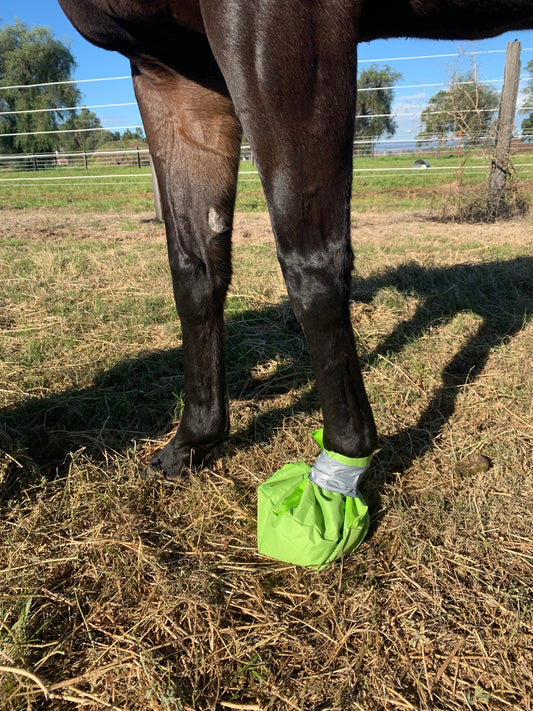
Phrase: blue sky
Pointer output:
(96, 63)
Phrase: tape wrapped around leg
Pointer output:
(298, 522)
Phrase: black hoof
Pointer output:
(172, 463)
(156, 474)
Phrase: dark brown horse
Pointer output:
(285, 72)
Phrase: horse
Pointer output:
(284, 72)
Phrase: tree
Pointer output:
(374, 103)
(136, 135)
(33, 56)
(467, 106)
(437, 120)
(527, 123)
(80, 137)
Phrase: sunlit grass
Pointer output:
(386, 182)
(119, 593)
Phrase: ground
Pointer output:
(120, 594)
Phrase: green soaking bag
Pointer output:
(302, 523)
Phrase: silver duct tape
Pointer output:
(331, 475)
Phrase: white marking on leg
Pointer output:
(216, 221)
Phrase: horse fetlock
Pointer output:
(352, 443)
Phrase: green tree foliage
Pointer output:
(527, 123)
(84, 132)
(81, 138)
(437, 120)
(33, 56)
(136, 135)
(374, 102)
(467, 106)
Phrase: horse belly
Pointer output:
(127, 26)
(443, 19)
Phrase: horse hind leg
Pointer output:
(194, 139)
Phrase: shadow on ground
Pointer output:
(139, 399)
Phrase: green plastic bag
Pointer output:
(300, 523)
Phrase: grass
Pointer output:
(118, 594)
(386, 182)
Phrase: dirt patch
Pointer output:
(381, 229)
(42, 224)
(252, 228)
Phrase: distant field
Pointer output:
(120, 594)
(385, 182)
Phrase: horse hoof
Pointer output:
(172, 463)
(156, 474)
(168, 465)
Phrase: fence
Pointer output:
(138, 158)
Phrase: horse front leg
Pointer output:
(291, 72)
(194, 138)
(311, 220)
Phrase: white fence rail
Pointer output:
(133, 157)
(137, 160)
(138, 157)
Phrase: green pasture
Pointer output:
(386, 182)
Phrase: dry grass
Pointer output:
(116, 594)
(473, 204)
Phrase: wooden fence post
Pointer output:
(157, 194)
(499, 171)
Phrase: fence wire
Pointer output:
(138, 159)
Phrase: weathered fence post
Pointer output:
(85, 161)
(138, 158)
(157, 194)
(499, 171)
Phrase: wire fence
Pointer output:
(137, 160)
(417, 170)
(138, 157)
